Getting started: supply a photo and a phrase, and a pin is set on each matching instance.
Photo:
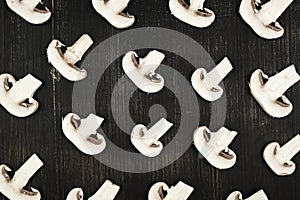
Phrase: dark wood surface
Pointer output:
(23, 51)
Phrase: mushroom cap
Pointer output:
(154, 190)
(277, 167)
(75, 194)
(256, 24)
(235, 196)
(264, 99)
(27, 12)
(202, 88)
(260, 195)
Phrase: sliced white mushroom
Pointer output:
(64, 58)
(262, 17)
(147, 141)
(269, 91)
(213, 146)
(207, 84)
(279, 158)
(83, 133)
(13, 188)
(142, 70)
(17, 96)
(194, 14)
(33, 11)
(260, 195)
(161, 191)
(108, 191)
(112, 11)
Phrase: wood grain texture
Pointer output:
(23, 50)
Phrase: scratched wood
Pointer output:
(23, 50)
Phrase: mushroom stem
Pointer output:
(181, 191)
(158, 129)
(26, 171)
(226, 138)
(117, 5)
(108, 191)
(196, 4)
(282, 81)
(151, 62)
(272, 10)
(289, 150)
(216, 75)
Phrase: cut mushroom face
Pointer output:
(207, 84)
(262, 17)
(108, 191)
(194, 14)
(161, 191)
(112, 11)
(16, 96)
(214, 146)
(269, 91)
(279, 158)
(64, 58)
(260, 195)
(12, 187)
(147, 141)
(33, 11)
(83, 133)
(142, 70)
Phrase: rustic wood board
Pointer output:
(23, 50)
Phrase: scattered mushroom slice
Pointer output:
(195, 14)
(262, 18)
(147, 141)
(33, 11)
(279, 158)
(214, 146)
(142, 70)
(260, 195)
(207, 84)
(17, 96)
(269, 91)
(12, 188)
(161, 191)
(112, 11)
(64, 58)
(107, 191)
(83, 133)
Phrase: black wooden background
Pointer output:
(23, 51)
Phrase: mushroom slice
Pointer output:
(142, 70)
(214, 146)
(279, 158)
(269, 91)
(194, 14)
(13, 188)
(16, 96)
(83, 133)
(112, 11)
(260, 195)
(33, 11)
(108, 191)
(206, 83)
(64, 58)
(161, 191)
(147, 141)
(262, 17)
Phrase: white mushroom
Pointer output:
(262, 17)
(161, 191)
(112, 11)
(195, 14)
(83, 133)
(147, 141)
(214, 146)
(12, 188)
(33, 11)
(142, 70)
(268, 91)
(279, 158)
(260, 195)
(107, 191)
(207, 84)
(16, 96)
(64, 58)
